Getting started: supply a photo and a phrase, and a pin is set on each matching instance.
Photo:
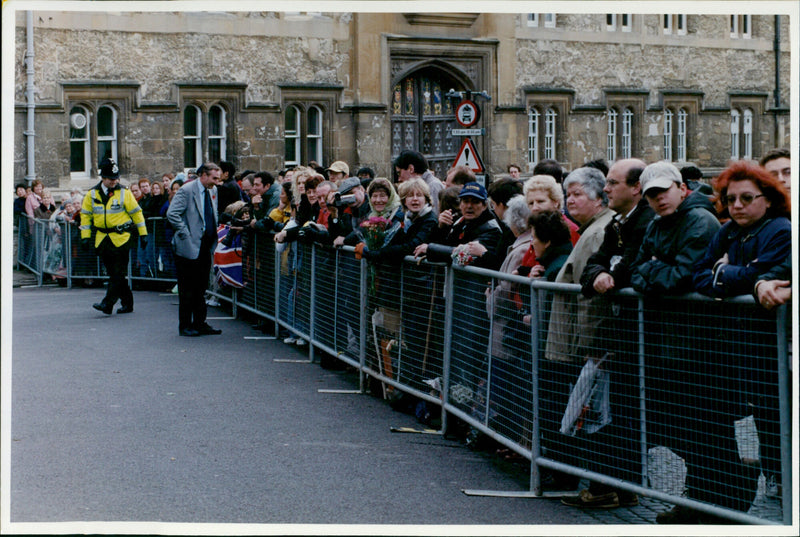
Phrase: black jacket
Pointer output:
(553, 259)
(483, 229)
(751, 253)
(621, 244)
(671, 246)
(414, 233)
(228, 192)
(347, 221)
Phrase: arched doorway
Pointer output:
(422, 117)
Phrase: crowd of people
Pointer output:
(661, 230)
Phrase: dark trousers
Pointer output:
(192, 283)
(695, 393)
(115, 259)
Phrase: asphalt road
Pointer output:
(117, 418)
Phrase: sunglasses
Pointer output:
(746, 198)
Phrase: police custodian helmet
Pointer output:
(109, 169)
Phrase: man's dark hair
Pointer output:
(598, 164)
(774, 154)
(508, 168)
(549, 167)
(549, 226)
(504, 189)
(368, 171)
(244, 174)
(633, 175)
(408, 157)
(19, 185)
(691, 173)
(226, 166)
(266, 178)
(463, 176)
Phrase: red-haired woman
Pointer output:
(741, 375)
(756, 238)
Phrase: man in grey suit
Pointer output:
(192, 214)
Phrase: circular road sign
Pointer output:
(467, 113)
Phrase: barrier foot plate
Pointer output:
(260, 337)
(290, 361)
(413, 430)
(549, 495)
(324, 390)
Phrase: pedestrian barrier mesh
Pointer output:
(299, 296)
(55, 248)
(694, 408)
(324, 298)
(347, 313)
(30, 236)
(422, 316)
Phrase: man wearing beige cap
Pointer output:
(338, 171)
(677, 237)
(677, 416)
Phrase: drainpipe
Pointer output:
(777, 48)
(30, 133)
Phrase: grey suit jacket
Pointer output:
(185, 215)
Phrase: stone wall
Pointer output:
(157, 55)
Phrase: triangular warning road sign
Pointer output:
(468, 156)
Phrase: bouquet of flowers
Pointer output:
(374, 231)
(461, 255)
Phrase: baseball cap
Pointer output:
(340, 166)
(473, 190)
(109, 169)
(348, 184)
(659, 175)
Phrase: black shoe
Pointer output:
(188, 332)
(102, 306)
(206, 330)
(125, 309)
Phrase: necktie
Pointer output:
(211, 228)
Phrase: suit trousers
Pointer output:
(115, 260)
(192, 277)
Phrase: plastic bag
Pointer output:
(588, 409)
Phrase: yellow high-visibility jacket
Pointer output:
(120, 209)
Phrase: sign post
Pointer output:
(468, 113)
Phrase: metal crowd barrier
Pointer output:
(698, 394)
(697, 385)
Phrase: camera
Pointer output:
(343, 201)
(239, 222)
(311, 232)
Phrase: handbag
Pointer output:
(588, 409)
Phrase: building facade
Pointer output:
(166, 91)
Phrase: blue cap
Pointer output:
(473, 190)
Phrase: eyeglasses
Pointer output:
(746, 198)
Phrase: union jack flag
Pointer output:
(228, 259)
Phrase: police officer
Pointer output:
(112, 212)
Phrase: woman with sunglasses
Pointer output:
(755, 240)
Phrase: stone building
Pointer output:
(165, 91)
